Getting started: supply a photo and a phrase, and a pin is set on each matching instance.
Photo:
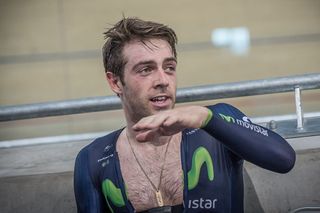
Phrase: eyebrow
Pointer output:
(153, 62)
(143, 63)
(170, 59)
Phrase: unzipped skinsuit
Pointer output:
(212, 162)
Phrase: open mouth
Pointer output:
(159, 99)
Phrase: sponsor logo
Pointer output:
(246, 119)
(112, 193)
(105, 158)
(202, 203)
(246, 123)
(200, 156)
(107, 148)
(105, 163)
(192, 131)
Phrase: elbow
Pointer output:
(288, 162)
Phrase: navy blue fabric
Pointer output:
(229, 138)
(88, 197)
(249, 141)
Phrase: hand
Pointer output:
(170, 122)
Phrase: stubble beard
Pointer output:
(138, 109)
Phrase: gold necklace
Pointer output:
(156, 189)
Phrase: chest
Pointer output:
(148, 172)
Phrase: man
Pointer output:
(167, 159)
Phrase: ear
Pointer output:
(114, 83)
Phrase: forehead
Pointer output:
(152, 49)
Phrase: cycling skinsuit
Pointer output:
(211, 158)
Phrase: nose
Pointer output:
(161, 79)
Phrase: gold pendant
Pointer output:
(159, 198)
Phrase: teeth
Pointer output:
(162, 98)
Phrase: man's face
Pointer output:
(149, 78)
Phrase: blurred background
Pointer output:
(50, 50)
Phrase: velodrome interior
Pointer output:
(50, 50)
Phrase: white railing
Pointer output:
(199, 93)
(294, 84)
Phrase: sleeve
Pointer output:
(88, 199)
(250, 141)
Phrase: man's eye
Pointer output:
(145, 70)
(171, 68)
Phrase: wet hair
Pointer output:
(129, 29)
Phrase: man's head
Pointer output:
(140, 64)
(129, 29)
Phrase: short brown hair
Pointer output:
(127, 30)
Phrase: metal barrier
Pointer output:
(307, 209)
(199, 93)
(287, 125)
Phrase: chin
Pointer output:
(155, 111)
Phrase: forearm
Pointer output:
(249, 141)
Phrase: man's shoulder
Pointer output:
(101, 144)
